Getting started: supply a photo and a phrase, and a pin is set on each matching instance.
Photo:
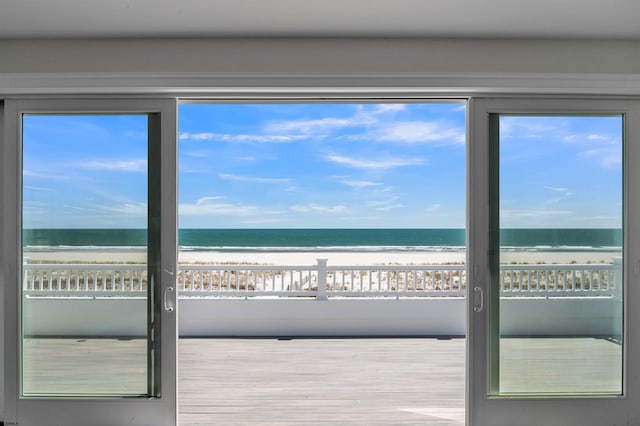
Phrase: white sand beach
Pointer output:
(309, 258)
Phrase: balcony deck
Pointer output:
(346, 381)
(321, 381)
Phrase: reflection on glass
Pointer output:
(560, 316)
(84, 302)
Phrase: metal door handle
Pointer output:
(168, 307)
(481, 307)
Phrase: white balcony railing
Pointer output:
(322, 281)
(84, 280)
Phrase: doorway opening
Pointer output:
(322, 262)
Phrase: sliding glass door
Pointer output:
(90, 301)
(552, 238)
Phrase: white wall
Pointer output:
(320, 56)
(520, 316)
(82, 316)
(333, 317)
(251, 317)
(195, 65)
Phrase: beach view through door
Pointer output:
(78, 211)
(552, 242)
(329, 221)
(560, 321)
(91, 312)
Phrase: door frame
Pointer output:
(482, 301)
(162, 156)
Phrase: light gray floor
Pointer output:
(81, 366)
(321, 381)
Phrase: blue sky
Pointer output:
(563, 172)
(320, 166)
(84, 171)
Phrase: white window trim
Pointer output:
(257, 85)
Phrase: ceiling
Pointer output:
(601, 19)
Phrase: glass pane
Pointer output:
(84, 289)
(560, 319)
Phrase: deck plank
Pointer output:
(321, 381)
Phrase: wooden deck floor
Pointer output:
(321, 381)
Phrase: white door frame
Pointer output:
(483, 409)
(159, 410)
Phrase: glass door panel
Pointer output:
(560, 256)
(553, 254)
(85, 281)
(90, 249)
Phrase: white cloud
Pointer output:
(564, 193)
(522, 214)
(240, 138)
(388, 163)
(83, 209)
(31, 208)
(37, 188)
(359, 184)
(419, 132)
(529, 127)
(382, 108)
(129, 209)
(389, 207)
(557, 189)
(124, 166)
(433, 208)
(319, 126)
(253, 179)
(592, 138)
(205, 200)
(608, 157)
(319, 208)
(299, 208)
(385, 205)
(212, 208)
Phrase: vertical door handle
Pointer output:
(167, 305)
(478, 308)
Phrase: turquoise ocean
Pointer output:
(339, 240)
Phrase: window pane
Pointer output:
(84, 289)
(560, 320)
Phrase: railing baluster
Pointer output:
(216, 280)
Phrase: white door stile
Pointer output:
(135, 411)
(483, 409)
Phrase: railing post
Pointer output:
(322, 279)
(617, 277)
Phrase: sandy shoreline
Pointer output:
(309, 258)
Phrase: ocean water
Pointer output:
(283, 240)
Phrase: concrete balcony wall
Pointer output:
(580, 316)
(333, 317)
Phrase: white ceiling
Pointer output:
(605, 19)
